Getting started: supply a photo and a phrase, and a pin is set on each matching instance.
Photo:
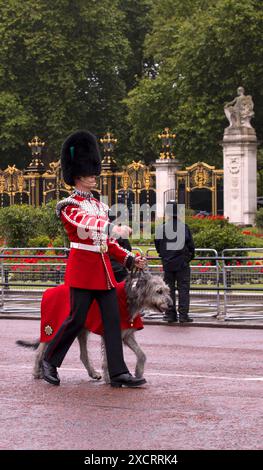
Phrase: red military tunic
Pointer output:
(55, 307)
(86, 222)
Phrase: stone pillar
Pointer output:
(165, 180)
(240, 161)
(240, 175)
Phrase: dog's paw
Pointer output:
(38, 376)
(95, 375)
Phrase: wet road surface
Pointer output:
(204, 391)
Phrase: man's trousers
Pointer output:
(182, 278)
(80, 301)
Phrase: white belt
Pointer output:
(97, 248)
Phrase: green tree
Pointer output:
(138, 23)
(61, 68)
(203, 51)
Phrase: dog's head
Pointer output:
(149, 291)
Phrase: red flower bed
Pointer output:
(252, 234)
(209, 217)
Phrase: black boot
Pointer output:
(50, 373)
(170, 316)
(170, 319)
(185, 319)
(127, 380)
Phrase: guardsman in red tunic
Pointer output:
(89, 273)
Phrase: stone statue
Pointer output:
(239, 112)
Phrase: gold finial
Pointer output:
(167, 139)
(36, 145)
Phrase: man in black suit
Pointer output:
(174, 244)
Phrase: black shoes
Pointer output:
(123, 380)
(127, 380)
(185, 319)
(173, 318)
(170, 318)
(50, 373)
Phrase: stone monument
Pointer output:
(240, 161)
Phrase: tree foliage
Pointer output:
(203, 51)
(61, 68)
(138, 22)
(66, 65)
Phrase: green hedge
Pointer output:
(22, 225)
(51, 224)
(220, 238)
(40, 227)
(259, 218)
(43, 241)
(18, 224)
(197, 225)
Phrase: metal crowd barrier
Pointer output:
(204, 291)
(229, 287)
(243, 284)
(24, 276)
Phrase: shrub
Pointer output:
(51, 224)
(259, 218)
(18, 223)
(220, 238)
(198, 224)
(58, 242)
(189, 212)
(254, 240)
(42, 241)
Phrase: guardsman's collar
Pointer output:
(86, 194)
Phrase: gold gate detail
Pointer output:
(200, 175)
(14, 187)
(135, 185)
(136, 182)
(54, 186)
(137, 177)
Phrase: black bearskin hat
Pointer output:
(80, 156)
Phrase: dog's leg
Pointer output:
(128, 338)
(105, 370)
(84, 357)
(38, 370)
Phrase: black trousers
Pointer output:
(182, 278)
(80, 301)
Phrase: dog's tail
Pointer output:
(28, 344)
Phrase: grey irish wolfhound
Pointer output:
(144, 291)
